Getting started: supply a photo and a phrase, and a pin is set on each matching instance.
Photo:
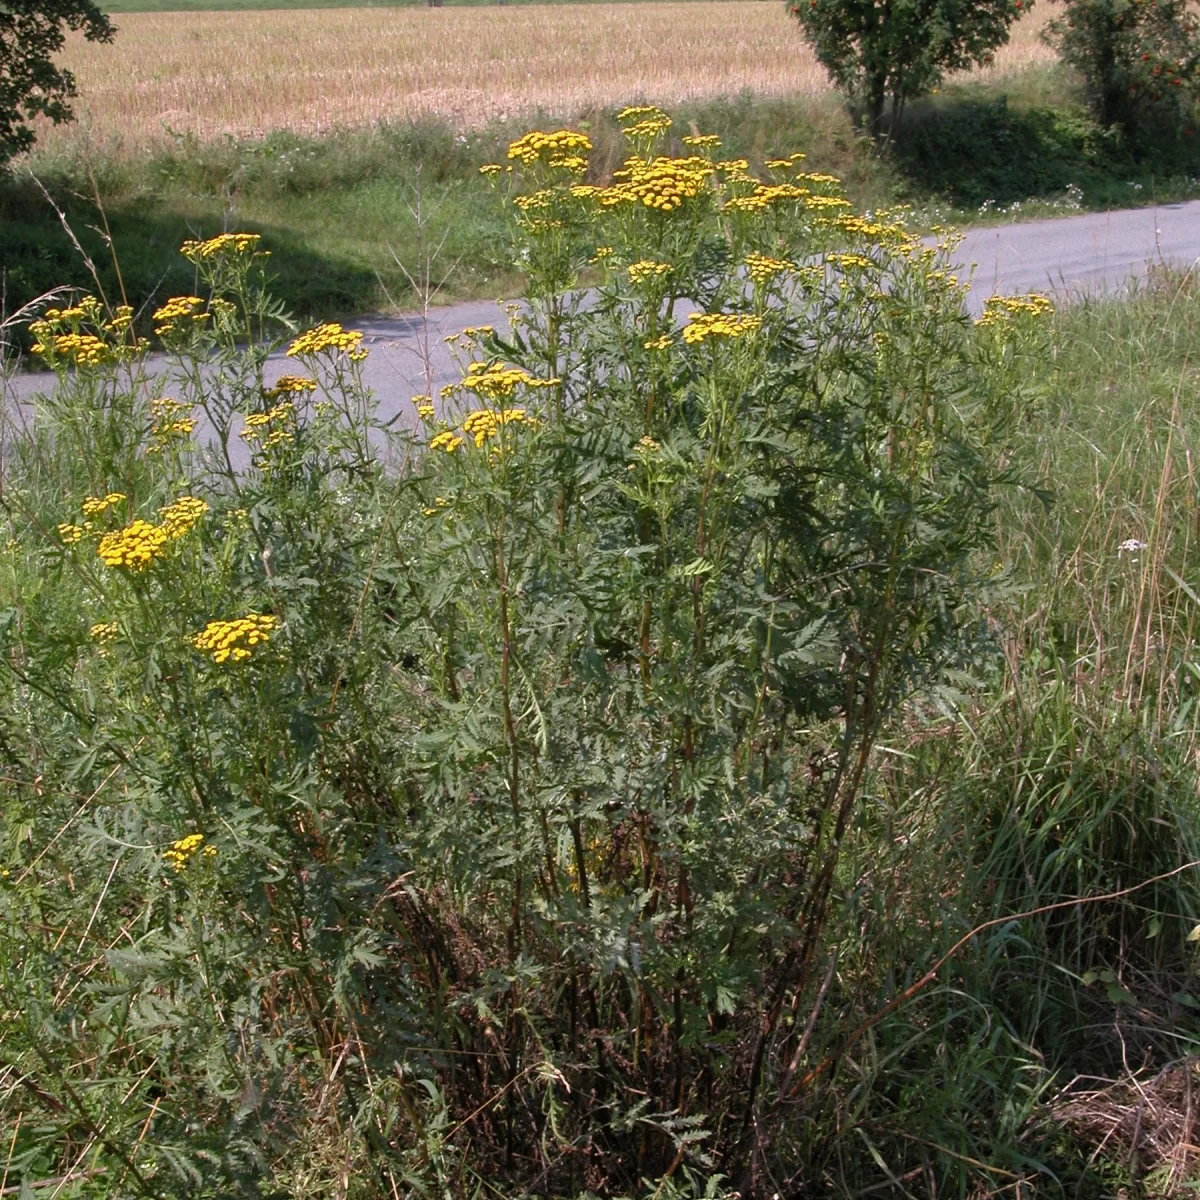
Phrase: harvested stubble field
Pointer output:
(314, 71)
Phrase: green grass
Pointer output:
(1067, 769)
(337, 211)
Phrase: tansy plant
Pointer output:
(501, 797)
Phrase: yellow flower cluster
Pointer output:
(491, 169)
(75, 349)
(762, 268)
(185, 849)
(177, 309)
(69, 533)
(766, 195)
(235, 639)
(275, 427)
(169, 421)
(135, 547)
(646, 270)
(701, 326)
(63, 341)
(658, 343)
(1002, 308)
(87, 308)
(139, 543)
(812, 177)
(93, 506)
(446, 440)
(290, 385)
(703, 141)
(494, 381)
(641, 120)
(817, 203)
(785, 164)
(484, 422)
(181, 517)
(849, 262)
(239, 243)
(542, 147)
(574, 163)
(103, 631)
(879, 231)
(660, 183)
(325, 338)
(535, 201)
(651, 127)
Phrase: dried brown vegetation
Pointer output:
(314, 71)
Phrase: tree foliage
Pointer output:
(897, 50)
(1139, 60)
(31, 33)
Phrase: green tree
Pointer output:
(876, 50)
(1139, 59)
(31, 33)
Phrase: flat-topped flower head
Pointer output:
(767, 195)
(537, 146)
(290, 385)
(762, 268)
(785, 164)
(643, 122)
(179, 314)
(181, 852)
(997, 309)
(275, 427)
(495, 381)
(169, 423)
(647, 270)
(235, 640)
(849, 262)
(135, 547)
(198, 251)
(703, 326)
(329, 338)
(182, 516)
(93, 506)
(485, 423)
(660, 184)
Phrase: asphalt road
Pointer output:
(1066, 256)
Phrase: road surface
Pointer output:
(1065, 256)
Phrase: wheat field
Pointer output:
(319, 70)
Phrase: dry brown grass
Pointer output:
(316, 70)
(1147, 1124)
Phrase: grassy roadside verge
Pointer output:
(340, 211)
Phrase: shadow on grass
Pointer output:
(36, 253)
(968, 151)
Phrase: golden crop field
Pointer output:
(317, 70)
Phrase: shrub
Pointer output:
(1139, 61)
(407, 830)
(899, 51)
